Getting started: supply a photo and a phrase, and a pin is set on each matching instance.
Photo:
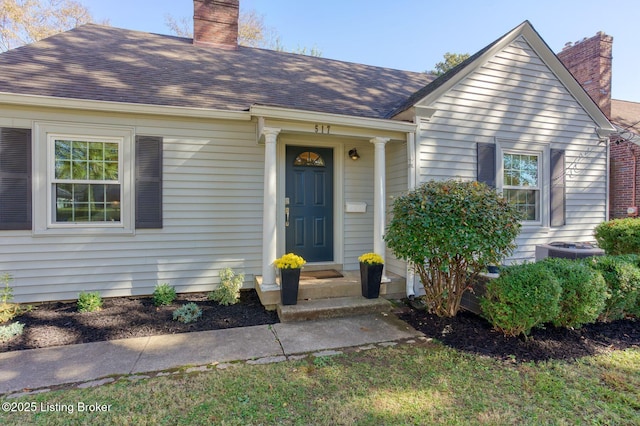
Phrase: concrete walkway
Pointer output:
(24, 371)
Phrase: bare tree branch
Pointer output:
(252, 32)
(26, 21)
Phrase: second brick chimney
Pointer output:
(590, 61)
(215, 23)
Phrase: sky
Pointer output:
(414, 35)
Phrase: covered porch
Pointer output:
(360, 191)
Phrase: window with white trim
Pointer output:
(521, 182)
(88, 184)
(522, 176)
(86, 180)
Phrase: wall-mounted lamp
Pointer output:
(353, 154)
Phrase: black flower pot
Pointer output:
(370, 278)
(289, 283)
(493, 269)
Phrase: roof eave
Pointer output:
(120, 107)
(283, 113)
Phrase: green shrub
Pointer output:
(6, 294)
(89, 302)
(524, 296)
(622, 276)
(450, 231)
(164, 294)
(228, 291)
(187, 313)
(584, 292)
(8, 310)
(619, 236)
(633, 259)
(8, 332)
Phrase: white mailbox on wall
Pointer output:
(356, 207)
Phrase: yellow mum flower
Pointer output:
(289, 261)
(371, 259)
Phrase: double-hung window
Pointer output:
(86, 180)
(85, 183)
(522, 176)
(521, 182)
(531, 175)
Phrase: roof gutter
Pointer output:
(120, 107)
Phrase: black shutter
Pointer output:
(487, 163)
(15, 179)
(557, 196)
(148, 182)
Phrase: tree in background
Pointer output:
(451, 60)
(26, 21)
(252, 32)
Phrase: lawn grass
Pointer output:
(425, 383)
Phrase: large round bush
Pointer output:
(449, 231)
(584, 292)
(523, 297)
(619, 236)
(622, 275)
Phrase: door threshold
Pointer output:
(320, 266)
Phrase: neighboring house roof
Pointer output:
(94, 62)
(626, 115)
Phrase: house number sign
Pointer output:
(324, 129)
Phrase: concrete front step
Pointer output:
(316, 289)
(335, 307)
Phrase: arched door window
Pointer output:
(309, 159)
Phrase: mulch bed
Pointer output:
(471, 333)
(55, 324)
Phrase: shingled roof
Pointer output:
(94, 62)
(626, 114)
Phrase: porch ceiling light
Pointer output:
(353, 154)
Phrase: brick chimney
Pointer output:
(215, 23)
(590, 61)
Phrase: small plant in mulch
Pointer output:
(164, 294)
(8, 310)
(187, 313)
(228, 292)
(89, 302)
(8, 332)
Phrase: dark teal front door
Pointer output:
(309, 203)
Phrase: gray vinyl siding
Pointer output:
(213, 173)
(516, 97)
(212, 208)
(358, 187)
(396, 185)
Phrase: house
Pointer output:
(590, 62)
(128, 159)
(624, 150)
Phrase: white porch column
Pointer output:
(379, 183)
(269, 234)
(411, 180)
